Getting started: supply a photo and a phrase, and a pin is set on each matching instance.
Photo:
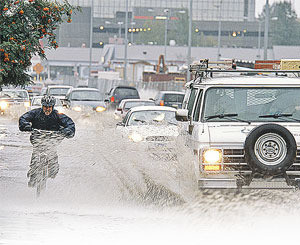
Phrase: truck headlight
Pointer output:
(3, 105)
(212, 156)
(136, 137)
(76, 108)
(27, 104)
(100, 109)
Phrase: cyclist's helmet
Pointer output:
(48, 100)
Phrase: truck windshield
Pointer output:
(252, 104)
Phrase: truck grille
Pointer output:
(234, 160)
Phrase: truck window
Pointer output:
(198, 106)
(191, 101)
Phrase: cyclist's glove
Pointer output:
(27, 128)
(67, 132)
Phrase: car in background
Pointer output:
(58, 91)
(43, 91)
(14, 98)
(169, 98)
(85, 99)
(119, 93)
(36, 102)
(152, 127)
(127, 104)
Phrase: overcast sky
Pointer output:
(261, 3)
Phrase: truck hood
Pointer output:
(220, 134)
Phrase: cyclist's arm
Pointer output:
(68, 125)
(25, 120)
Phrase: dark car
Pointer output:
(84, 100)
(119, 93)
(169, 98)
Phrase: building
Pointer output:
(237, 17)
(62, 63)
(235, 10)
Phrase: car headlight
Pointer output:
(100, 109)
(3, 105)
(76, 108)
(136, 137)
(27, 104)
(212, 156)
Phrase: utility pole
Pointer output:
(259, 40)
(166, 32)
(126, 42)
(266, 35)
(91, 39)
(219, 31)
(189, 58)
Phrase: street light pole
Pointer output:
(219, 31)
(166, 33)
(189, 58)
(126, 42)
(259, 37)
(91, 38)
(131, 34)
(266, 35)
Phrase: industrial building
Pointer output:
(239, 28)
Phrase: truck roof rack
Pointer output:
(206, 68)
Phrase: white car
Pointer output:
(36, 103)
(58, 91)
(127, 104)
(154, 127)
(244, 131)
(12, 99)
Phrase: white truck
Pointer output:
(244, 131)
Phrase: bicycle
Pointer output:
(44, 161)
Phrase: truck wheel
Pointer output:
(270, 149)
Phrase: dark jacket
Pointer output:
(37, 119)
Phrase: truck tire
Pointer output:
(270, 149)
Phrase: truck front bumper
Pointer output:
(227, 183)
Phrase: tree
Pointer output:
(23, 24)
(156, 33)
(284, 27)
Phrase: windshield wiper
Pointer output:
(227, 116)
(138, 120)
(278, 115)
(7, 95)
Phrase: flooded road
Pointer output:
(110, 192)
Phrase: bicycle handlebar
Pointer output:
(47, 132)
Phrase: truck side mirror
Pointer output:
(182, 115)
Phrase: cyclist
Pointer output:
(46, 118)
